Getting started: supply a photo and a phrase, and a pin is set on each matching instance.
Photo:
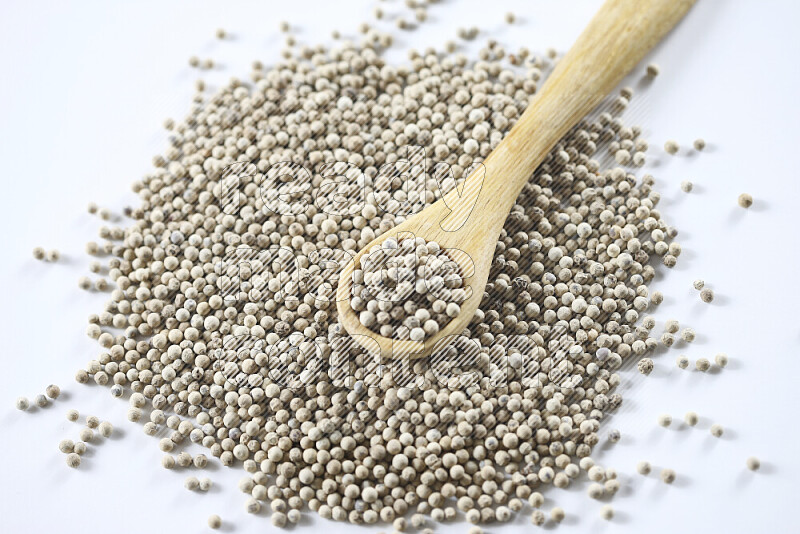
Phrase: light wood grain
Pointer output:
(615, 40)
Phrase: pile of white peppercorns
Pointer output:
(309, 415)
(407, 289)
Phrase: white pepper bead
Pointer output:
(66, 446)
(698, 284)
(73, 460)
(596, 490)
(200, 461)
(667, 476)
(645, 366)
(38, 253)
(41, 401)
(105, 429)
(665, 420)
(92, 421)
(607, 512)
(753, 463)
(191, 483)
(214, 522)
(557, 514)
(745, 200)
(168, 461)
(252, 506)
(702, 364)
(538, 518)
(721, 359)
(22, 404)
(671, 147)
(134, 415)
(510, 18)
(614, 436)
(686, 186)
(79, 448)
(688, 335)
(53, 255)
(643, 468)
(706, 295)
(278, 519)
(682, 361)
(86, 434)
(52, 391)
(699, 144)
(717, 430)
(691, 418)
(205, 484)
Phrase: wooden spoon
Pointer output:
(615, 40)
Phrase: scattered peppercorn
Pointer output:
(22, 404)
(667, 476)
(745, 200)
(706, 295)
(753, 463)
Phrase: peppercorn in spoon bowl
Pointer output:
(465, 223)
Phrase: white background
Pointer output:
(85, 89)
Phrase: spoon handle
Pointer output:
(616, 39)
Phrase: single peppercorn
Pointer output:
(214, 522)
(717, 430)
(691, 418)
(538, 518)
(22, 404)
(645, 366)
(706, 295)
(607, 512)
(105, 429)
(73, 460)
(667, 476)
(745, 200)
(753, 463)
(643, 468)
